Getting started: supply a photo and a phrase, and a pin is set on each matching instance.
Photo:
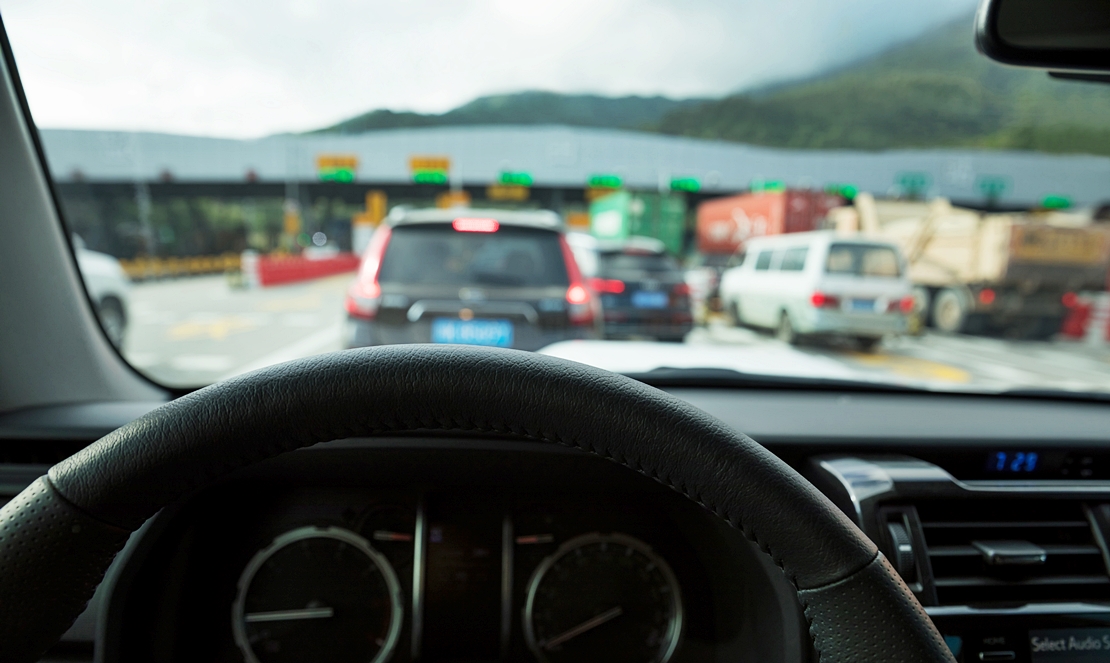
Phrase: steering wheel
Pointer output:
(58, 536)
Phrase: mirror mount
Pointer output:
(1071, 37)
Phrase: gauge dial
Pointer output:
(318, 594)
(603, 597)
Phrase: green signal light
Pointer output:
(1056, 202)
(848, 191)
(515, 178)
(688, 184)
(604, 182)
(769, 186)
(429, 177)
(344, 175)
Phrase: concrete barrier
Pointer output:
(264, 271)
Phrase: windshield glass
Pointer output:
(248, 183)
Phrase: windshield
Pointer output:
(248, 183)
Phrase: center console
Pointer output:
(1007, 550)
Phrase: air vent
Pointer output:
(1013, 551)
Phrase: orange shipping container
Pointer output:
(725, 223)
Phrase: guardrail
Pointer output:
(143, 268)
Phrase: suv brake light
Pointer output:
(903, 305)
(607, 286)
(821, 300)
(365, 294)
(465, 224)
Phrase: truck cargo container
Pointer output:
(623, 214)
(976, 272)
(725, 223)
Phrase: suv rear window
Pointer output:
(632, 264)
(437, 254)
(862, 260)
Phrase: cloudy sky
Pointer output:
(245, 68)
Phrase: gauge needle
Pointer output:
(286, 615)
(592, 622)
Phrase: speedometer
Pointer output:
(318, 594)
(603, 597)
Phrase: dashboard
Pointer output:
(412, 552)
(996, 512)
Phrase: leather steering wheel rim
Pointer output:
(58, 536)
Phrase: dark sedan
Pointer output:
(643, 292)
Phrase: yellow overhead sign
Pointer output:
(419, 164)
(337, 161)
(336, 167)
(507, 192)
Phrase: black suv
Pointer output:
(469, 276)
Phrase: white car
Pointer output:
(820, 284)
(107, 285)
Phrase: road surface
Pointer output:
(191, 332)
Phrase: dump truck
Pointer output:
(622, 215)
(988, 273)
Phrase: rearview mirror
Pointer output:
(1069, 36)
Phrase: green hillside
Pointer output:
(529, 108)
(934, 91)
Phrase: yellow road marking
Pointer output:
(912, 367)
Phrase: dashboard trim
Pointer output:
(419, 551)
(506, 584)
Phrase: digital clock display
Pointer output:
(1013, 462)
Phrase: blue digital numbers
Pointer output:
(1013, 462)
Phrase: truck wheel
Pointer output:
(922, 315)
(785, 331)
(949, 311)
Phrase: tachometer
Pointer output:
(318, 594)
(603, 597)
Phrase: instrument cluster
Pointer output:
(549, 568)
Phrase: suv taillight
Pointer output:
(582, 307)
(365, 294)
(821, 300)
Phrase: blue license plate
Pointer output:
(865, 305)
(649, 299)
(498, 333)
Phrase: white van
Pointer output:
(820, 284)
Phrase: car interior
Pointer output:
(422, 502)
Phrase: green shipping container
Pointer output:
(623, 214)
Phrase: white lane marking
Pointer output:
(327, 339)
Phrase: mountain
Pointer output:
(933, 91)
(531, 107)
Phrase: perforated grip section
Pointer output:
(44, 582)
(871, 617)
